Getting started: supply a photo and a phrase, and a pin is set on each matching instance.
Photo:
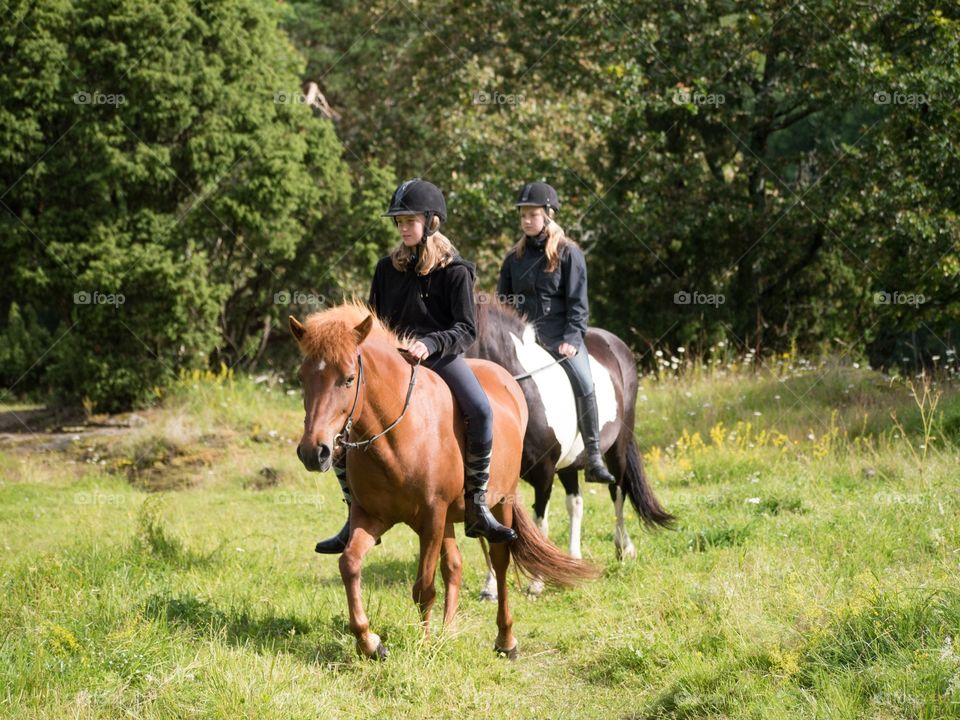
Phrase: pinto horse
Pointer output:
(357, 386)
(552, 444)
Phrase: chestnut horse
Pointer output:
(355, 383)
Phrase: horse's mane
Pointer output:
(496, 322)
(499, 317)
(329, 333)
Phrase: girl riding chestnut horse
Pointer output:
(425, 289)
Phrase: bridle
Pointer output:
(341, 437)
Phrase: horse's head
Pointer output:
(329, 376)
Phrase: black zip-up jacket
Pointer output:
(437, 307)
(555, 302)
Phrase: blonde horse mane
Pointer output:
(329, 333)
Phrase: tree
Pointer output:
(159, 153)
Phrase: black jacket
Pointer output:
(437, 307)
(555, 302)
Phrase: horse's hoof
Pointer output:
(488, 596)
(373, 649)
(510, 654)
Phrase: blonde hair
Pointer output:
(436, 252)
(556, 239)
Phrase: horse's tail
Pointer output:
(641, 495)
(537, 557)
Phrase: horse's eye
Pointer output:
(348, 381)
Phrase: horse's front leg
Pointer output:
(506, 643)
(364, 531)
(570, 477)
(622, 543)
(424, 589)
(451, 567)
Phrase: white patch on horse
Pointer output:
(556, 394)
(321, 365)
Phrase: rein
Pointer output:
(341, 438)
(524, 376)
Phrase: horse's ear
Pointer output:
(296, 327)
(363, 329)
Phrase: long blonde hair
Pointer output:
(436, 252)
(556, 239)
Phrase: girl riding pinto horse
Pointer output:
(547, 274)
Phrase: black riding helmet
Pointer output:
(538, 194)
(418, 196)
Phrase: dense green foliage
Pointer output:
(162, 184)
(763, 173)
(796, 160)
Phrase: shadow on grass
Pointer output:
(377, 573)
(310, 644)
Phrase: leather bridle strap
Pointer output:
(341, 438)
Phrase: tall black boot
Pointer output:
(478, 521)
(589, 422)
(338, 543)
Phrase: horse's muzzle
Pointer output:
(320, 460)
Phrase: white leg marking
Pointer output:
(575, 510)
(542, 522)
(621, 538)
(489, 591)
(535, 588)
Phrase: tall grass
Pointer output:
(813, 572)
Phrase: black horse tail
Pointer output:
(641, 495)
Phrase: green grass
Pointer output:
(161, 573)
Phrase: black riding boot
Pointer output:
(338, 543)
(478, 521)
(589, 423)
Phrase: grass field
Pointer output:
(166, 570)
